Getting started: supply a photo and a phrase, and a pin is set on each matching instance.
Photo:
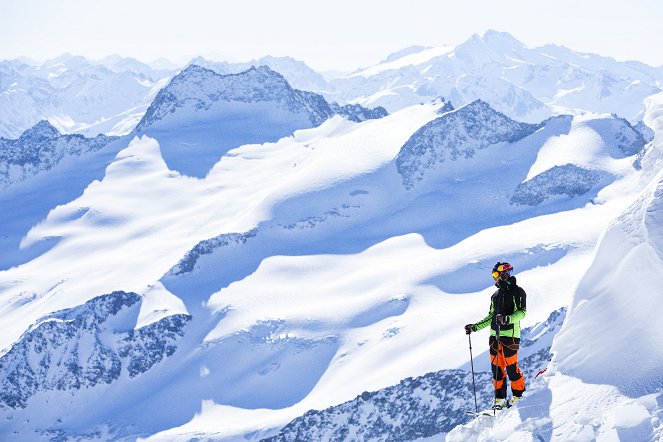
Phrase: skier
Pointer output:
(507, 309)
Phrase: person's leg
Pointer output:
(510, 348)
(498, 367)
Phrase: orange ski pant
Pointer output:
(504, 362)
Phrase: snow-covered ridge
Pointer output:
(41, 148)
(86, 346)
(457, 134)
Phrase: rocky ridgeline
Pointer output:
(79, 348)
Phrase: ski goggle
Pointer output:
(496, 275)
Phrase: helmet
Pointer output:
(501, 268)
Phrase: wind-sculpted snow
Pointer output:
(622, 282)
(418, 407)
(569, 180)
(73, 349)
(41, 148)
(454, 135)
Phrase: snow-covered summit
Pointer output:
(200, 88)
(404, 52)
(298, 73)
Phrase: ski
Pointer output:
(488, 412)
(480, 413)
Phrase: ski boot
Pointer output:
(500, 404)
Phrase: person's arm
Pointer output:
(521, 307)
(485, 321)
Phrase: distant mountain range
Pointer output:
(527, 84)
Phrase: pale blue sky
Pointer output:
(339, 34)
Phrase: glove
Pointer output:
(501, 319)
(469, 328)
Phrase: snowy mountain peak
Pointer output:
(260, 73)
(40, 131)
(199, 87)
(69, 60)
(191, 71)
(94, 343)
(492, 36)
(477, 106)
(456, 134)
(493, 46)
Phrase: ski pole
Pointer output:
(497, 341)
(474, 387)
